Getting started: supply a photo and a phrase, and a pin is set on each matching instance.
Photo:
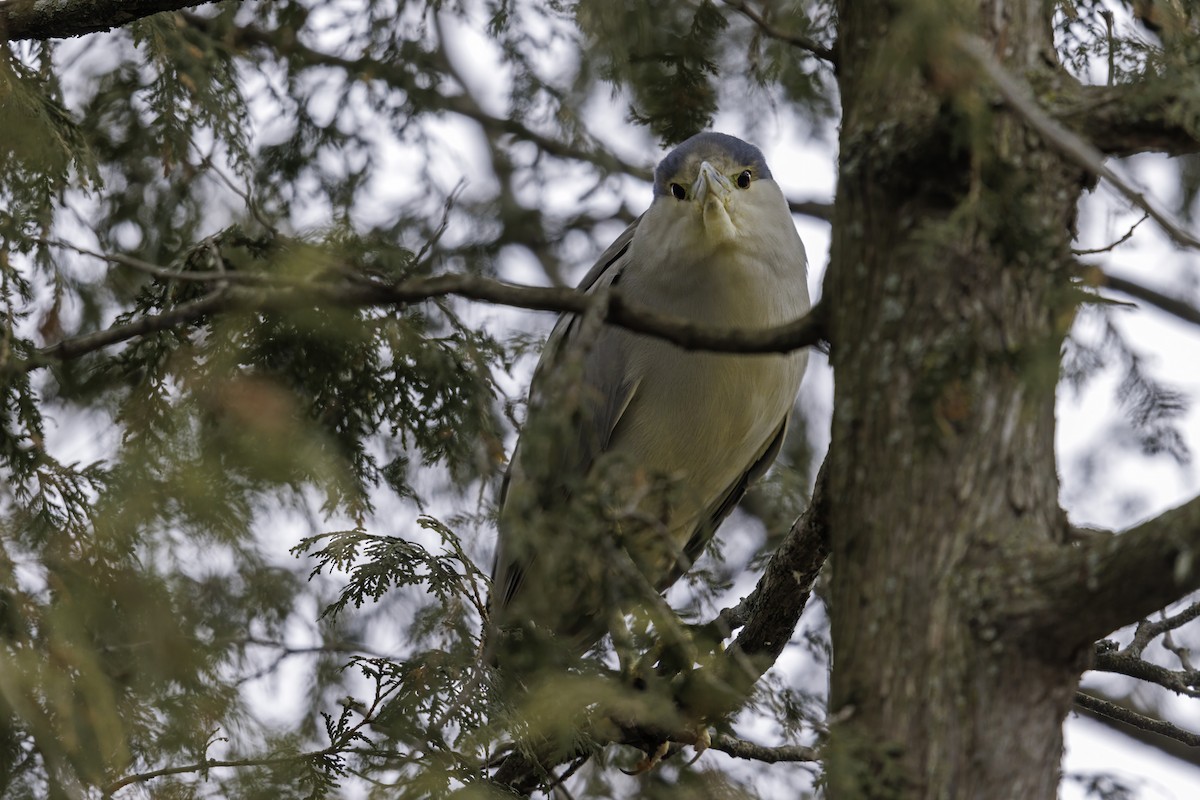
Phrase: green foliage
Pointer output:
(677, 60)
(392, 562)
(667, 54)
(194, 87)
(136, 586)
(1151, 408)
(43, 147)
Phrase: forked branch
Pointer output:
(1067, 597)
(1071, 145)
(31, 19)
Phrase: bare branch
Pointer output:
(213, 763)
(1070, 144)
(1168, 745)
(767, 618)
(812, 208)
(802, 332)
(76, 346)
(1148, 630)
(339, 744)
(1110, 247)
(521, 774)
(739, 748)
(394, 75)
(168, 274)
(465, 105)
(770, 613)
(1173, 306)
(1069, 596)
(1136, 720)
(1131, 666)
(32, 19)
(1130, 118)
(803, 42)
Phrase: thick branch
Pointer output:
(1072, 146)
(803, 332)
(770, 614)
(1068, 597)
(36, 19)
(1129, 119)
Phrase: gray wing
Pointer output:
(607, 396)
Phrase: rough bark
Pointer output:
(1131, 118)
(1066, 599)
(949, 298)
(65, 19)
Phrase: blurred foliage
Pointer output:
(204, 181)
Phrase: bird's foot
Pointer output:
(700, 743)
(697, 737)
(651, 760)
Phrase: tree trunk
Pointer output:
(949, 297)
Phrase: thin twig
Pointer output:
(1140, 721)
(1070, 144)
(212, 763)
(166, 273)
(1182, 653)
(803, 42)
(1171, 305)
(1129, 665)
(444, 223)
(340, 745)
(1108, 248)
(1147, 630)
(246, 194)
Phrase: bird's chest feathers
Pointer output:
(741, 283)
(690, 404)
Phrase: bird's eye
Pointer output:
(743, 180)
(679, 192)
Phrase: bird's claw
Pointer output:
(700, 743)
(651, 760)
(697, 737)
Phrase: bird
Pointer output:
(634, 448)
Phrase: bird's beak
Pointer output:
(711, 185)
(712, 191)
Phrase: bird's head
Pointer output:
(715, 189)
